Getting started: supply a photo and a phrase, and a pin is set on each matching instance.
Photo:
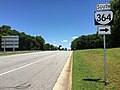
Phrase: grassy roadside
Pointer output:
(13, 53)
(88, 70)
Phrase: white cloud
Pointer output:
(74, 37)
(64, 41)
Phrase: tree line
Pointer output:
(95, 40)
(26, 42)
(87, 42)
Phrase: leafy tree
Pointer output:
(47, 46)
(26, 42)
(60, 46)
(40, 41)
(115, 37)
(87, 42)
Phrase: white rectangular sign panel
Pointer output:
(10, 42)
(104, 30)
(103, 6)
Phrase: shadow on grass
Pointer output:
(93, 80)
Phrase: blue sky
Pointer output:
(57, 21)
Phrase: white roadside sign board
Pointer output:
(104, 30)
(103, 6)
(10, 42)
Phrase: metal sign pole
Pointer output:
(104, 16)
(105, 77)
(13, 46)
(4, 45)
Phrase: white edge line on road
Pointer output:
(25, 65)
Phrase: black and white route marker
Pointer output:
(103, 17)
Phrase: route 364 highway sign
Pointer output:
(103, 17)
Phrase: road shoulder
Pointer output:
(64, 81)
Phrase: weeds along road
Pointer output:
(33, 71)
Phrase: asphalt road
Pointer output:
(33, 71)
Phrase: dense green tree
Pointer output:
(26, 42)
(40, 41)
(60, 46)
(115, 37)
(47, 46)
(87, 42)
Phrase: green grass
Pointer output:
(13, 53)
(88, 67)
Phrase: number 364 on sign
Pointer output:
(103, 17)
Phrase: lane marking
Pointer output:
(25, 65)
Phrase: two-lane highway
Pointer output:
(33, 71)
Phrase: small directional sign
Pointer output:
(104, 30)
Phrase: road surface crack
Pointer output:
(23, 86)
